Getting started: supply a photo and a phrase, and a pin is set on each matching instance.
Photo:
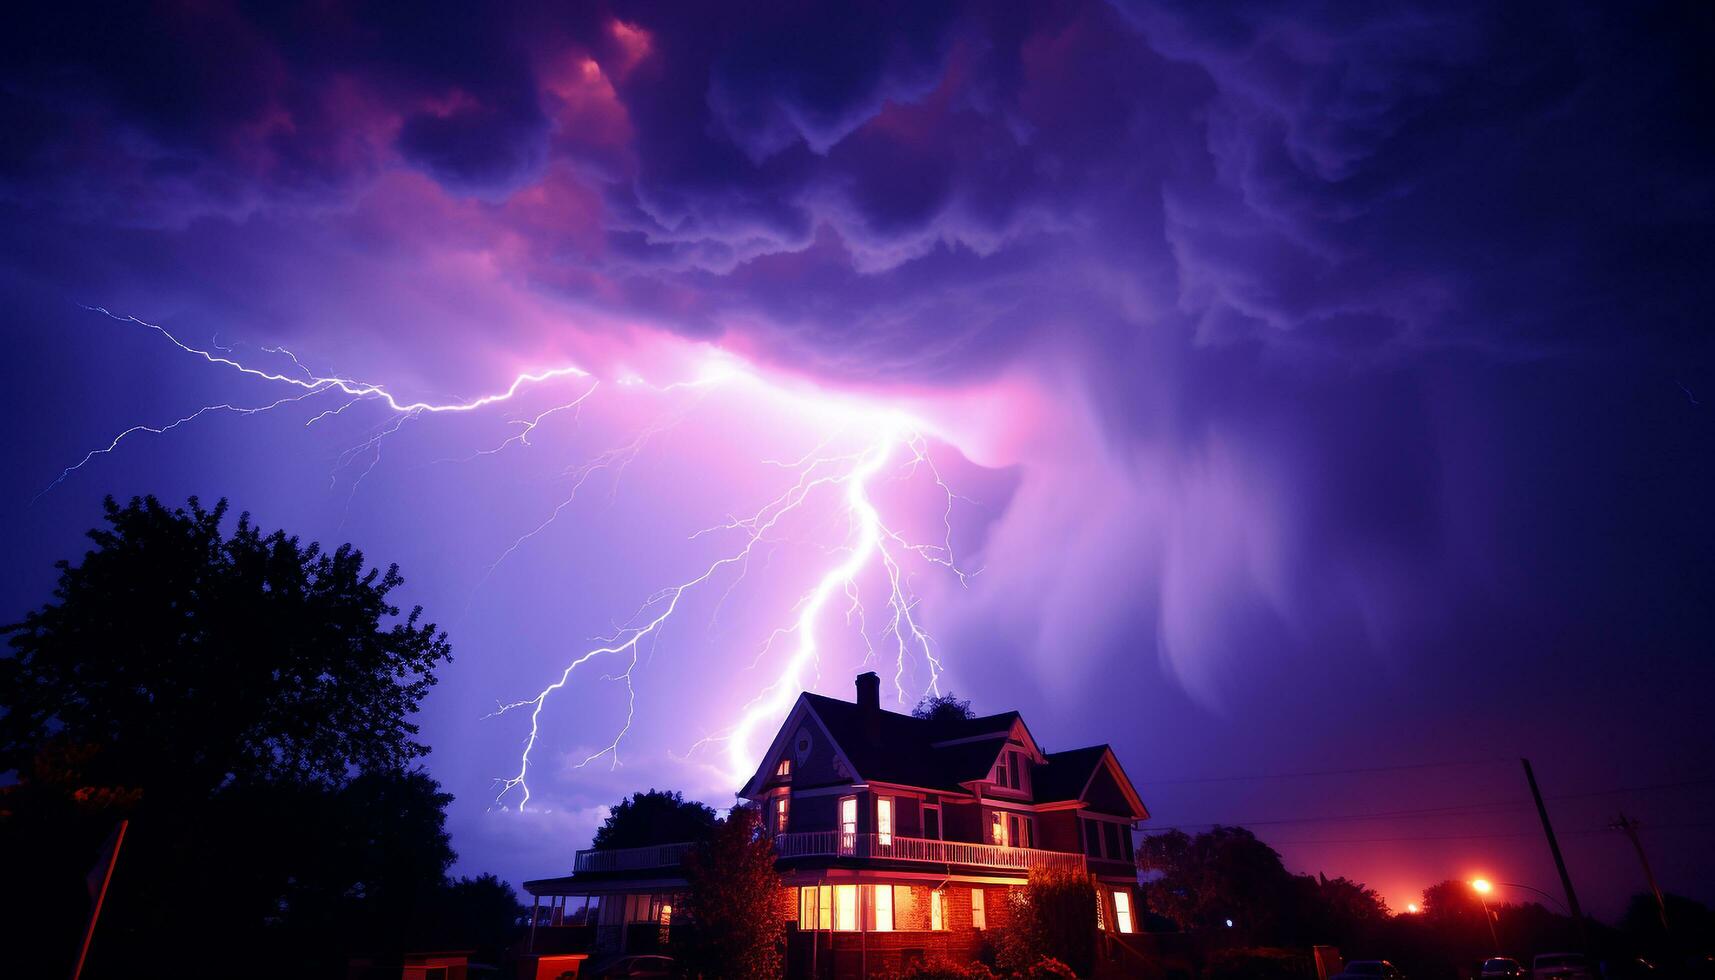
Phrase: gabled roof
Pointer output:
(945, 755)
(1066, 774)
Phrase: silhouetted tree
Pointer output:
(481, 913)
(197, 660)
(1225, 873)
(1340, 912)
(654, 817)
(246, 700)
(942, 707)
(732, 901)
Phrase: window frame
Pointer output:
(1122, 912)
(847, 908)
(885, 811)
(924, 812)
(979, 908)
(876, 902)
(937, 910)
(848, 837)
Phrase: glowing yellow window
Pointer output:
(883, 908)
(845, 908)
(1122, 910)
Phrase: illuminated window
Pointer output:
(780, 807)
(884, 820)
(883, 908)
(979, 909)
(1122, 910)
(937, 909)
(848, 824)
(807, 909)
(845, 908)
(826, 906)
(784, 769)
(1101, 920)
(1018, 831)
(997, 828)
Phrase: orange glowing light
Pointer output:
(1482, 886)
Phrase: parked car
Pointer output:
(1369, 970)
(1502, 966)
(1562, 966)
(635, 966)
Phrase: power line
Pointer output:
(1325, 772)
(1418, 813)
(1433, 837)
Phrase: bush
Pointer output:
(1260, 963)
(1046, 968)
(946, 970)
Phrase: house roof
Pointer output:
(1067, 773)
(947, 753)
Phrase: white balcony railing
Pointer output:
(832, 843)
(892, 847)
(631, 858)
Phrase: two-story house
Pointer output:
(899, 838)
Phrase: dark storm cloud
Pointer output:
(1364, 325)
(212, 107)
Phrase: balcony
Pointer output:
(630, 858)
(832, 843)
(892, 847)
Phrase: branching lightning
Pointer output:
(876, 446)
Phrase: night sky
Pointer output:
(1323, 396)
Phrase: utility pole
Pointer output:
(1554, 848)
(109, 857)
(1630, 826)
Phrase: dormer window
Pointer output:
(1009, 770)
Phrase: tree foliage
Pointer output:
(1052, 926)
(197, 659)
(1201, 882)
(656, 816)
(732, 902)
(246, 702)
(942, 707)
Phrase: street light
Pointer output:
(1557, 902)
(1482, 887)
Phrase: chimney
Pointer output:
(869, 704)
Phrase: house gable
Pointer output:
(822, 763)
(1108, 790)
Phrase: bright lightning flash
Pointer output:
(876, 445)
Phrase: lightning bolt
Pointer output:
(889, 446)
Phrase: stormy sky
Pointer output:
(1326, 391)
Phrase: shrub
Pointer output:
(1260, 963)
